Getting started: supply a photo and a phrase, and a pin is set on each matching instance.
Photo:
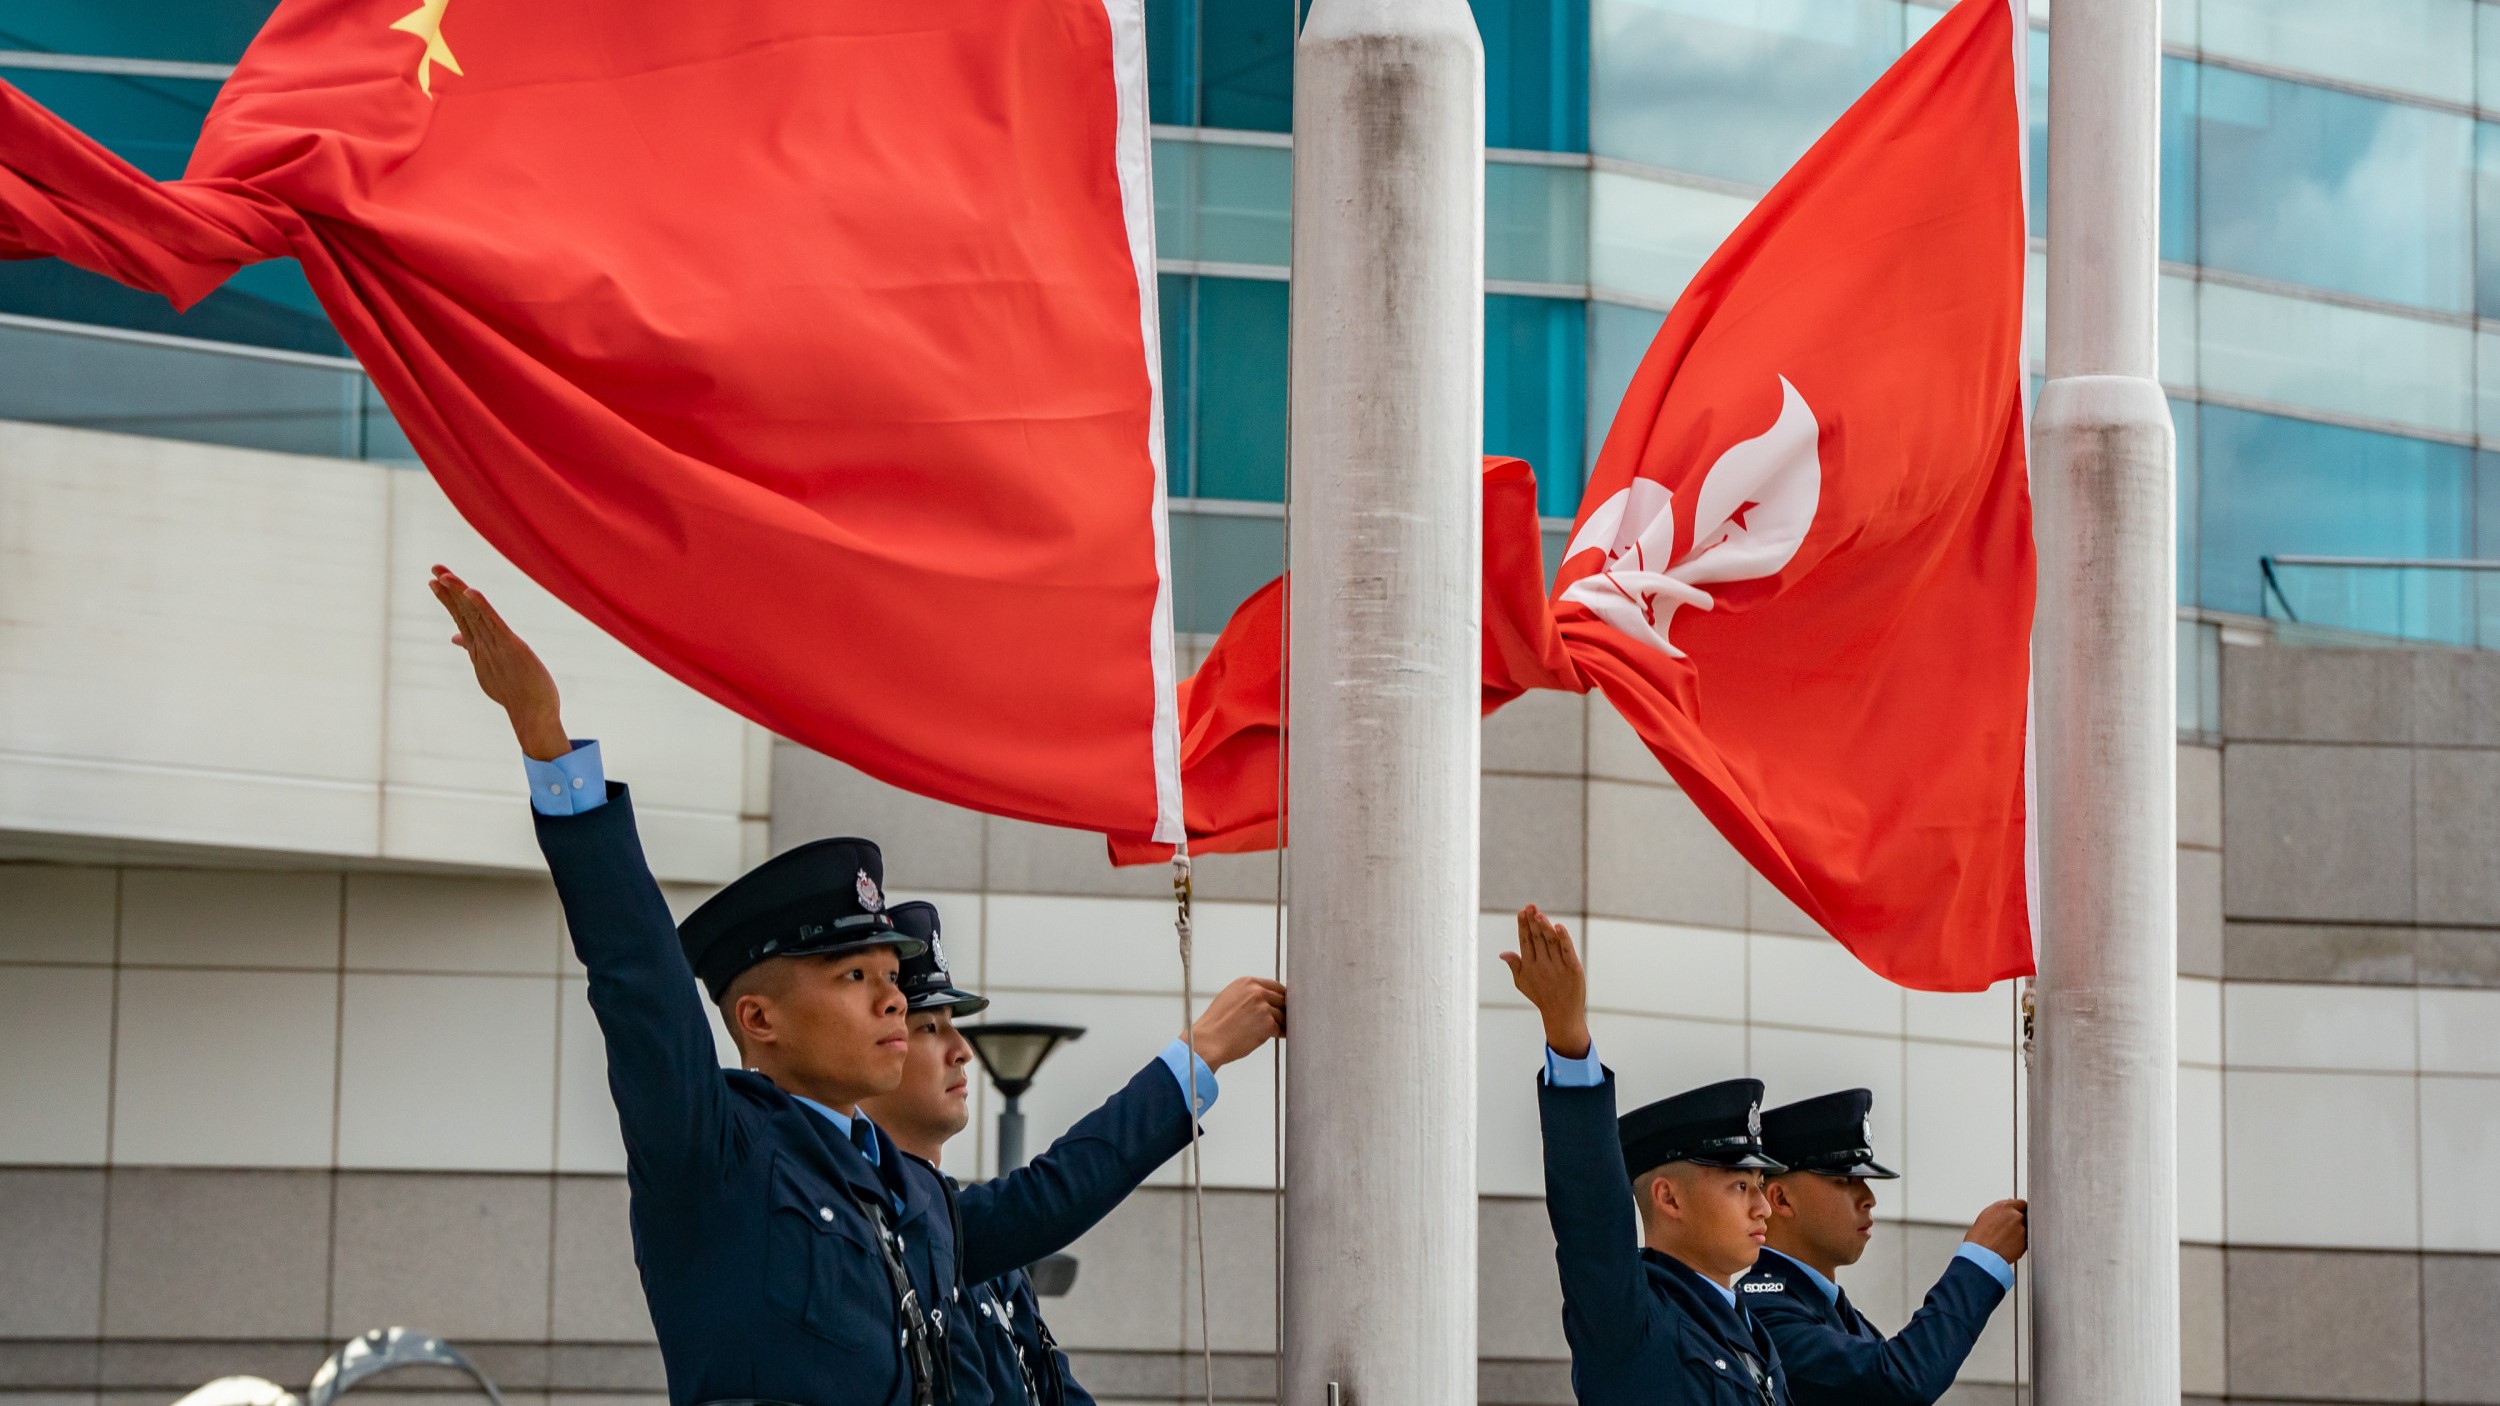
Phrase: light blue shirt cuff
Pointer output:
(569, 785)
(1178, 1058)
(1988, 1260)
(1585, 1072)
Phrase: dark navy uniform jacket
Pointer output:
(1837, 1358)
(1644, 1329)
(1038, 1210)
(1019, 1343)
(758, 1255)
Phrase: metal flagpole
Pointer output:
(2104, 1211)
(1387, 341)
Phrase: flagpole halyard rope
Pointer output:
(1183, 925)
(2023, 1009)
(1284, 698)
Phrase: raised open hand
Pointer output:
(1547, 971)
(508, 670)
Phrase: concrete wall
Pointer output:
(217, 648)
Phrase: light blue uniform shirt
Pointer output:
(1564, 1072)
(577, 782)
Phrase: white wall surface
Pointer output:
(216, 647)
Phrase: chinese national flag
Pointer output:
(1803, 567)
(806, 346)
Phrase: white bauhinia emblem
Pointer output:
(1749, 518)
(869, 898)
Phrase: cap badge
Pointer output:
(937, 954)
(869, 898)
(1753, 1121)
(1866, 1129)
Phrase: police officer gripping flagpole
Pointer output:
(1003, 1351)
(783, 1250)
(1822, 1212)
(1651, 1318)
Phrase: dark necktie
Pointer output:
(1849, 1315)
(863, 1139)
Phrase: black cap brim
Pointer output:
(1741, 1159)
(901, 945)
(947, 998)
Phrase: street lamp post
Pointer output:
(1012, 1053)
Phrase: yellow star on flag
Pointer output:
(426, 22)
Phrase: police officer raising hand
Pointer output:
(508, 671)
(1547, 971)
(1653, 1215)
(785, 1247)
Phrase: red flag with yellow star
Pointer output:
(806, 346)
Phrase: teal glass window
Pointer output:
(1172, 62)
(152, 123)
(267, 305)
(1619, 337)
(1220, 202)
(2410, 46)
(1221, 63)
(1245, 64)
(1224, 354)
(2333, 190)
(2487, 506)
(185, 31)
(2178, 159)
(2268, 485)
(2487, 219)
(1736, 89)
(1536, 223)
(1536, 391)
(1536, 73)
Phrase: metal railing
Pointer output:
(2452, 601)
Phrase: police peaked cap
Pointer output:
(927, 984)
(826, 898)
(1833, 1135)
(1717, 1125)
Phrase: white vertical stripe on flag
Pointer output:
(1136, 162)
(2018, 13)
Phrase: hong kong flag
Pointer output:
(806, 346)
(1803, 567)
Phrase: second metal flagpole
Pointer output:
(2104, 1166)
(1388, 315)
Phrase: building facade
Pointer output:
(292, 1045)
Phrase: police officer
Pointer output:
(781, 1251)
(1822, 1211)
(1002, 1350)
(1658, 1323)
